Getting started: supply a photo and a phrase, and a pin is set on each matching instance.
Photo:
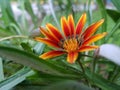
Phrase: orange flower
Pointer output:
(73, 39)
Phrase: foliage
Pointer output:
(20, 64)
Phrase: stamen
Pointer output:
(70, 45)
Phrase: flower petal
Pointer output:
(87, 48)
(65, 27)
(92, 29)
(47, 41)
(80, 24)
(71, 24)
(94, 38)
(51, 54)
(72, 56)
(54, 31)
(48, 34)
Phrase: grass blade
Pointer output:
(1, 70)
(103, 13)
(116, 4)
(35, 62)
(116, 26)
(15, 79)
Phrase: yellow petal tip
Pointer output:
(41, 56)
(84, 14)
(105, 33)
(102, 20)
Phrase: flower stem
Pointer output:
(94, 64)
(87, 55)
(115, 73)
(83, 70)
(81, 66)
(95, 59)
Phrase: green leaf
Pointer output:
(53, 12)
(38, 48)
(28, 8)
(116, 4)
(115, 15)
(33, 61)
(103, 13)
(41, 79)
(52, 77)
(101, 82)
(15, 79)
(1, 70)
(4, 32)
(26, 47)
(7, 12)
(89, 12)
(116, 26)
(67, 85)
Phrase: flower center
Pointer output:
(70, 45)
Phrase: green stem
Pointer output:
(95, 58)
(115, 73)
(83, 70)
(15, 36)
(81, 66)
(86, 55)
(94, 64)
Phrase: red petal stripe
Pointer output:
(54, 31)
(51, 54)
(71, 24)
(65, 27)
(47, 41)
(80, 24)
(48, 35)
(94, 38)
(92, 29)
(87, 48)
(72, 56)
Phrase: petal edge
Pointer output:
(47, 41)
(51, 54)
(94, 38)
(72, 56)
(87, 48)
(92, 29)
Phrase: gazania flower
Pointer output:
(72, 40)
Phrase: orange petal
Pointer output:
(51, 54)
(65, 27)
(48, 34)
(92, 29)
(80, 24)
(87, 48)
(47, 41)
(71, 24)
(72, 56)
(54, 31)
(94, 38)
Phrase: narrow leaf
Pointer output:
(116, 26)
(116, 4)
(68, 85)
(15, 79)
(103, 13)
(101, 82)
(115, 15)
(33, 61)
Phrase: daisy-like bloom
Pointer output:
(72, 40)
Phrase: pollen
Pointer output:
(70, 45)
